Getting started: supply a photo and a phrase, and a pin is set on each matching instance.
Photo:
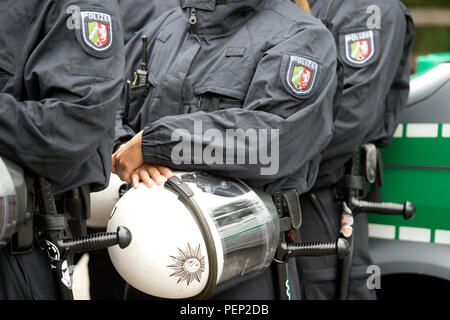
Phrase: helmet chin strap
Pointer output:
(185, 195)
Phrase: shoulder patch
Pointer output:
(96, 32)
(299, 75)
(360, 48)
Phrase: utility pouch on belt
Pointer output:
(75, 206)
(71, 215)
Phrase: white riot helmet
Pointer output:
(192, 233)
(103, 202)
(13, 199)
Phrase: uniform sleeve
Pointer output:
(72, 91)
(292, 124)
(367, 82)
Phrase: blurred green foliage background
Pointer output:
(427, 3)
(430, 38)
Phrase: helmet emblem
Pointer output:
(189, 264)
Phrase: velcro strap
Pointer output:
(50, 222)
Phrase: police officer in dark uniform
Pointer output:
(374, 39)
(61, 74)
(137, 13)
(226, 65)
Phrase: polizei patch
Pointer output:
(300, 75)
(359, 47)
(96, 32)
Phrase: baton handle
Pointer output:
(407, 209)
(98, 241)
(285, 251)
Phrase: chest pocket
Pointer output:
(137, 97)
(213, 98)
(227, 83)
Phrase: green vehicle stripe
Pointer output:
(418, 169)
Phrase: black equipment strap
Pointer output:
(293, 204)
(375, 192)
(75, 208)
(353, 182)
(287, 204)
(54, 228)
(55, 222)
(185, 195)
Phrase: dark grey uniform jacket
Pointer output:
(58, 93)
(375, 88)
(137, 13)
(232, 70)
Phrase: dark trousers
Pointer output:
(262, 287)
(26, 276)
(319, 276)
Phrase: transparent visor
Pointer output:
(8, 205)
(246, 222)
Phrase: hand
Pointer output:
(119, 145)
(150, 175)
(127, 158)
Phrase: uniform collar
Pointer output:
(214, 17)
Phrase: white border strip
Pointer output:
(381, 231)
(414, 234)
(446, 130)
(422, 130)
(442, 236)
(399, 131)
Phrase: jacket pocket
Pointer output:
(213, 98)
(137, 96)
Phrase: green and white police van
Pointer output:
(417, 168)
